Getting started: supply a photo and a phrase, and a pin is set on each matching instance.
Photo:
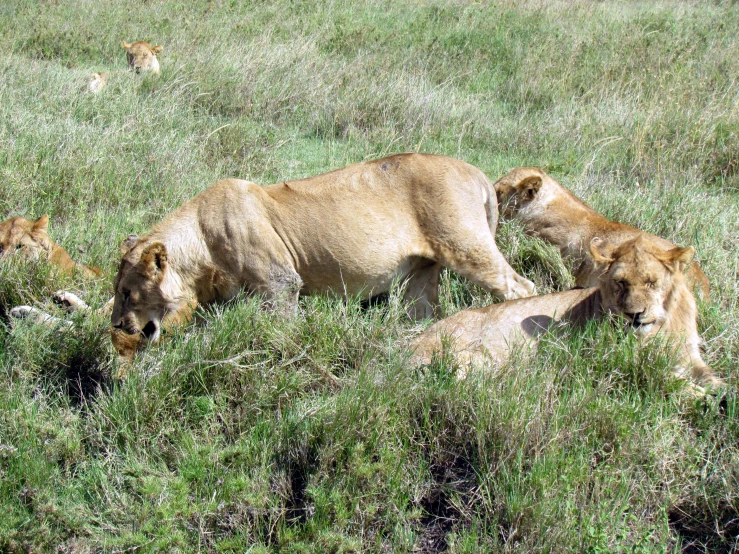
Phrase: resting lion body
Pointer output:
(638, 280)
(550, 211)
(31, 239)
(353, 231)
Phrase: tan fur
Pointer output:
(353, 231)
(98, 81)
(142, 56)
(638, 280)
(31, 239)
(550, 211)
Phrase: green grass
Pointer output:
(244, 432)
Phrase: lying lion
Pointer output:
(353, 231)
(31, 239)
(550, 211)
(141, 56)
(637, 279)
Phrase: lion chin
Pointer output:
(638, 280)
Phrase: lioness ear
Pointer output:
(528, 187)
(126, 45)
(601, 251)
(679, 259)
(128, 243)
(157, 50)
(154, 259)
(41, 224)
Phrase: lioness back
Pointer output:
(550, 211)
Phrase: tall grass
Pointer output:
(245, 432)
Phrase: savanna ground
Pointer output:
(244, 432)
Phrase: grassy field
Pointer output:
(248, 433)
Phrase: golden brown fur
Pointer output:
(550, 211)
(353, 231)
(31, 239)
(142, 56)
(638, 280)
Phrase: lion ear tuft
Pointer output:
(154, 259)
(679, 259)
(157, 50)
(125, 44)
(601, 251)
(41, 224)
(129, 242)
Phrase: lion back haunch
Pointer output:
(353, 231)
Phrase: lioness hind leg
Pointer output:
(422, 292)
(483, 264)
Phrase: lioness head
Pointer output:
(517, 189)
(639, 278)
(142, 56)
(140, 304)
(29, 238)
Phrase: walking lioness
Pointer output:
(353, 231)
(550, 211)
(637, 279)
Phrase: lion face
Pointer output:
(638, 279)
(28, 238)
(139, 304)
(142, 56)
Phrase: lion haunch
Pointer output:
(353, 231)
(638, 280)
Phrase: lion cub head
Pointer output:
(142, 56)
(28, 238)
(641, 281)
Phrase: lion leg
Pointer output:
(37, 316)
(422, 292)
(482, 263)
(699, 370)
(281, 290)
(70, 301)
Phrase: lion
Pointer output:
(31, 239)
(353, 231)
(142, 56)
(638, 280)
(550, 211)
